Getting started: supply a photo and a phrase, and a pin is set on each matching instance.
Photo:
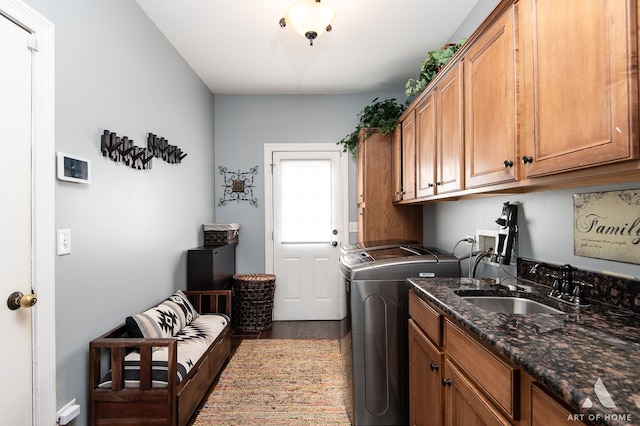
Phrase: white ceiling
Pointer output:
(237, 46)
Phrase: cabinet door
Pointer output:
(579, 84)
(362, 155)
(426, 146)
(449, 153)
(425, 381)
(464, 403)
(409, 157)
(490, 105)
(396, 167)
(546, 411)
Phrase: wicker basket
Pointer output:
(219, 234)
(253, 301)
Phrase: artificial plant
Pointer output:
(432, 64)
(379, 116)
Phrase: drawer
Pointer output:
(498, 380)
(427, 317)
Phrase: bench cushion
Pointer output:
(164, 320)
(193, 340)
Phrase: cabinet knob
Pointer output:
(508, 163)
(446, 382)
(438, 183)
(527, 159)
(433, 367)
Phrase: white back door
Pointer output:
(308, 230)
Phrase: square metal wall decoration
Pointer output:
(607, 225)
(238, 186)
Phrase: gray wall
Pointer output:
(129, 228)
(545, 228)
(245, 123)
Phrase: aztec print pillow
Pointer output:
(180, 299)
(164, 320)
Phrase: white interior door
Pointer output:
(307, 234)
(15, 217)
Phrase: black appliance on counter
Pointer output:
(508, 222)
(211, 267)
(374, 343)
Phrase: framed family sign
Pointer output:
(607, 225)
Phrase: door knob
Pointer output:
(334, 243)
(18, 300)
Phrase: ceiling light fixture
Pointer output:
(309, 18)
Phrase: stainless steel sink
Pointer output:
(511, 305)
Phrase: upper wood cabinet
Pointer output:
(378, 217)
(425, 136)
(439, 137)
(549, 95)
(449, 150)
(491, 126)
(579, 83)
(396, 167)
(409, 156)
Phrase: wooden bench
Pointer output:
(143, 403)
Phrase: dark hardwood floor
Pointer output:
(318, 330)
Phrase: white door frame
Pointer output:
(43, 205)
(269, 149)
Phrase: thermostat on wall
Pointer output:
(73, 168)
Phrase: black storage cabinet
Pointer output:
(211, 267)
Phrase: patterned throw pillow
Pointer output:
(164, 320)
(180, 299)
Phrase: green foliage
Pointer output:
(379, 115)
(434, 61)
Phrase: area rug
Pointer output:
(279, 382)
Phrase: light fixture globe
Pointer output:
(309, 18)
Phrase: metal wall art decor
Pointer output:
(607, 225)
(122, 149)
(238, 186)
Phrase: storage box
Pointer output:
(218, 234)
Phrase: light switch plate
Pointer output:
(64, 242)
(353, 226)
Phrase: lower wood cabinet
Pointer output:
(465, 404)
(546, 411)
(426, 364)
(456, 380)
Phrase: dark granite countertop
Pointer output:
(566, 353)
